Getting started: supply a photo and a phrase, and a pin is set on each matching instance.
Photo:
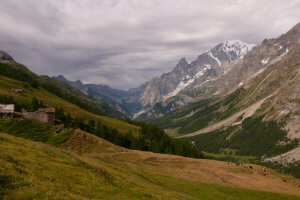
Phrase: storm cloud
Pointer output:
(124, 43)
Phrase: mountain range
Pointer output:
(253, 63)
(208, 66)
(253, 80)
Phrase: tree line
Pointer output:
(147, 138)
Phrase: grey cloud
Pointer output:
(124, 43)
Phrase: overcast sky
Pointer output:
(124, 43)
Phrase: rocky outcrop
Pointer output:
(4, 57)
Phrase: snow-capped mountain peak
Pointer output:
(238, 47)
(208, 66)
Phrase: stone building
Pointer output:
(17, 91)
(46, 115)
(7, 111)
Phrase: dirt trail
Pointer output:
(259, 85)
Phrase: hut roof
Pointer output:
(47, 110)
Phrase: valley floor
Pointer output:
(87, 167)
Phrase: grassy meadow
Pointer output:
(87, 167)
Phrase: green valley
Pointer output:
(140, 100)
(87, 167)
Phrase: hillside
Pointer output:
(87, 167)
(54, 93)
(52, 100)
(258, 99)
(17, 71)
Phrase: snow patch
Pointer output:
(139, 113)
(187, 82)
(284, 112)
(204, 82)
(280, 57)
(265, 61)
(238, 47)
(200, 73)
(260, 71)
(217, 92)
(280, 46)
(180, 86)
(213, 57)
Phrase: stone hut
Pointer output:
(7, 111)
(46, 115)
(17, 91)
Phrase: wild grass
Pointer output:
(33, 170)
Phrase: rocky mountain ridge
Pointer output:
(207, 66)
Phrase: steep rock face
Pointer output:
(207, 66)
(4, 57)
